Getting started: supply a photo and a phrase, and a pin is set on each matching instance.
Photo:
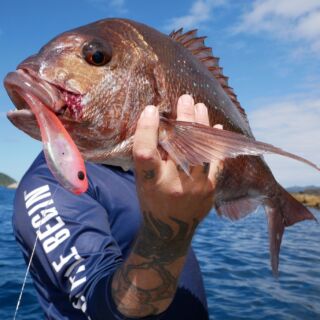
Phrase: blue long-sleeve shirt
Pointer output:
(83, 239)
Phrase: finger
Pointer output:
(216, 167)
(201, 114)
(185, 108)
(202, 117)
(146, 157)
(185, 112)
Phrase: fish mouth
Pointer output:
(22, 81)
(63, 103)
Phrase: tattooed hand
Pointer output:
(172, 205)
(163, 188)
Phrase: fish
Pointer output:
(83, 92)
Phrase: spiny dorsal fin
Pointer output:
(197, 47)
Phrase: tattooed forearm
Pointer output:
(146, 282)
(141, 298)
(158, 241)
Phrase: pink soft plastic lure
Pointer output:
(63, 157)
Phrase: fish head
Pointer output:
(95, 78)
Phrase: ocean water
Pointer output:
(234, 260)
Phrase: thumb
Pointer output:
(146, 157)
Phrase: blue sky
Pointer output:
(270, 49)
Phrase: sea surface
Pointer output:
(234, 260)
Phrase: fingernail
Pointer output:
(186, 99)
(149, 111)
(201, 109)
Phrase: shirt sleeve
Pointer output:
(75, 251)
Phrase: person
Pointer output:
(123, 249)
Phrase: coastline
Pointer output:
(7, 181)
(13, 185)
(308, 199)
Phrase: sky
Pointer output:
(270, 50)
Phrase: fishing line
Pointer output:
(29, 263)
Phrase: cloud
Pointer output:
(105, 5)
(293, 125)
(118, 5)
(293, 20)
(199, 12)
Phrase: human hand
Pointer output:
(164, 190)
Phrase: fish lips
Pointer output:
(20, 81)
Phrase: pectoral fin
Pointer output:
(190, 143)
(239, 208)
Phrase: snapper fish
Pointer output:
(84, 91)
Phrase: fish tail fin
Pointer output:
(282, 210)
(191, 143)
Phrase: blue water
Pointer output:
(234, 261)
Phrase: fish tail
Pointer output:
(282, 210)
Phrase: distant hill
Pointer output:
(6, 181)
(308, 189)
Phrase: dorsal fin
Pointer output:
(196, 45)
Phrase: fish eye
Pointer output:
(96, 53)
